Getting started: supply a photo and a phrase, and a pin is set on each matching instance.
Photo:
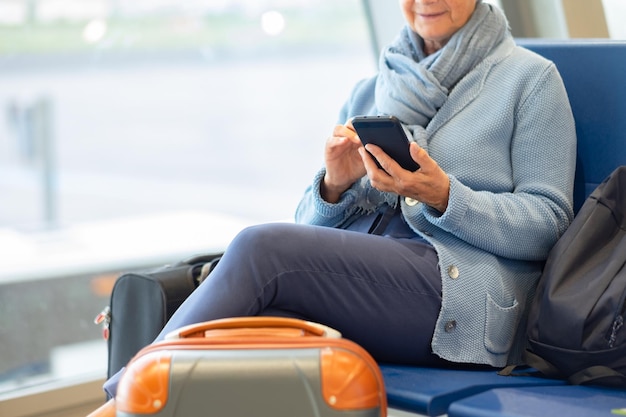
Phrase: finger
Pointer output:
(339, 139)
(368, 161)
(419, 154)
(376, 152)
(386, 162)
(378, 177)
(335, 141)
(344, 131)
(374, 173)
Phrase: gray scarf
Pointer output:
(405, 69)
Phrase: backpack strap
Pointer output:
(597, 374)
(542, 365)
(592, 375)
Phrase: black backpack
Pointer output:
(576, 328)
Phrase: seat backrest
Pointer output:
(594, 73)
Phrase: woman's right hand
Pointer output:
(344, 165)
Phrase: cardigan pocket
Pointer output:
(501, 326)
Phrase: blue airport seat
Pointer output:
(430, 391)
(594, 74)
(566, 401)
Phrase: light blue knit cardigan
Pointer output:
(507, 140)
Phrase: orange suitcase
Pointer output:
(252, 367)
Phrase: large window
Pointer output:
(133, 132)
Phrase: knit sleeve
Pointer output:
(525, 223)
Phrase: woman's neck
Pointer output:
(430, 46)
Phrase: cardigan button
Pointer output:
(450, 326)
(410, 201)
(453, 272)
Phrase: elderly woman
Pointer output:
(435, 266)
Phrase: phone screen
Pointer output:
(388, 133)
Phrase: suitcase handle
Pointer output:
(254, 326)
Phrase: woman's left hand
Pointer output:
(429, 184)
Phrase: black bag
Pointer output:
(576, 322)
(142, 302)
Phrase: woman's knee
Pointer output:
(264, 238)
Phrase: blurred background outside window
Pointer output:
(134, 132)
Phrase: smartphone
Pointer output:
(389, 134)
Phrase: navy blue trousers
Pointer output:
(382, 292)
